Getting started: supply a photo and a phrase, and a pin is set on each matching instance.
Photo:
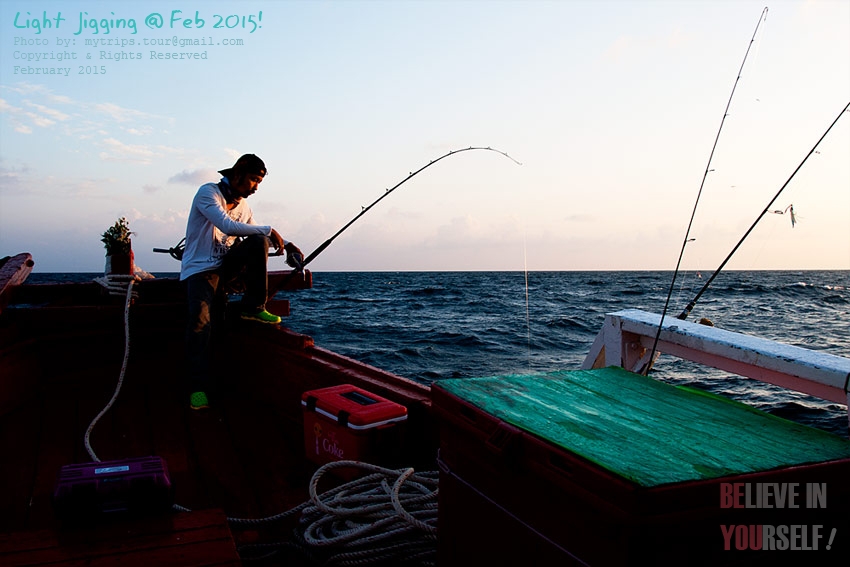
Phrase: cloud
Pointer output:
(144, 131)
(38, 120)
(27, 88)
(116, 150)
(12, 179)
(52, 112)
(579, 218)
(119, 151)
(394, 213)
(167, 217)
(31, 106)
(121, 114)
(180, 152)
(469, 232)
(458, 228)
(196, 177)
(35, 113)
(234, 154)
(59, 98)
(91, 188)
(15, 113)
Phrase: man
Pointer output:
(223, 244)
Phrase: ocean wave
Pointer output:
(565, 323)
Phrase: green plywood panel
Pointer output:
(645, 430)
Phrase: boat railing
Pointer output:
(627, 337)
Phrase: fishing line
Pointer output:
(766, 210)
(755, 65)
(762, 17)
(326, 243)
(685, 281)
(769, 237)
(527, 315)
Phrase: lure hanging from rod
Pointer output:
(788, 209)
(364, 210)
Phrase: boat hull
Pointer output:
(508, 496)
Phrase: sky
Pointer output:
(612, 108)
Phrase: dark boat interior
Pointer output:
(63, 347)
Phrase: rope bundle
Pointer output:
(388, 517)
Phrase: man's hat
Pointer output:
(248, 164)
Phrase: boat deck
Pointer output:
(61, 356)
(240, 456)
(196, 538)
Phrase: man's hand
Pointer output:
(277, 240)
(294, 256)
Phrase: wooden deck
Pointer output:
(195, 538)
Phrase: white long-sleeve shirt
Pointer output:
(212, 229)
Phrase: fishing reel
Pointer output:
(176, 252)
(295, 260)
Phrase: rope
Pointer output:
(388, 516)
(117, 284)
(113, 280)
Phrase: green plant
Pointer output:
(116, 239)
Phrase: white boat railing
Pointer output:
(627, 336)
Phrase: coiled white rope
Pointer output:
(388, 516)
(129, 298)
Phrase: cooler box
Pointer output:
(347, 423)
(608, 467)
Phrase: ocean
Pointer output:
(429, 326)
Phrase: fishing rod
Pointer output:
(684, 314)
(299, 266)
(685, 240)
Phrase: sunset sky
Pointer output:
(612, 107)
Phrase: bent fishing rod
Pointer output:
(684, 314)
(299, 266)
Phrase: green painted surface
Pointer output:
(645, 430)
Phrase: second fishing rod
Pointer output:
(687, 311)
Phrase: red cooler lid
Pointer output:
(353, 407)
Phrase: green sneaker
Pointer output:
(198, 400)
(262, 317)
